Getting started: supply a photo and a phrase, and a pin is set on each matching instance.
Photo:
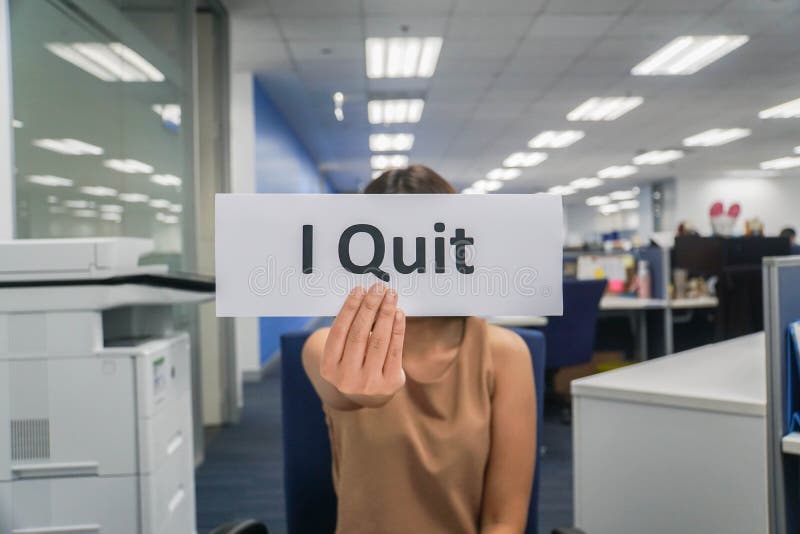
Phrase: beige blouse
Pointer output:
(417, 464)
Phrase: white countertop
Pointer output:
(613, 302)
(727, 377)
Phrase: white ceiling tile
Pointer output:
(472, 49)
(413, 25)
(572, 25)
(488, 27)
(484, 7)
(327, 50)
(585, 7)
(673, 6)
(320, 28)
(315, 8)
(254, 28)
(666, 26)
(416, 7)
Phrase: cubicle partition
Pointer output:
(781, 279)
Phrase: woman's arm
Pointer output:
(509, 475)
(357, 362)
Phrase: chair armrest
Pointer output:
(246, 526)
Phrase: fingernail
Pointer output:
(399, 315)
(392, 295)
(357, 291)
(379, 289)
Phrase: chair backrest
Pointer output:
(308, 482)
(570, 338)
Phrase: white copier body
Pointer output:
(95, 433)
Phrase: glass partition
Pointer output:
(101, 145)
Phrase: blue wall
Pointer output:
(283, 165)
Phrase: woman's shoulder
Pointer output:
(506, 345)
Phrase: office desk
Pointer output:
(636, 309)
(518, 321)
(676, 444)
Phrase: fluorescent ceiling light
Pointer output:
(17, 124)
(716, 136)
(130, 166)
(787, 110)
(628, 205)
(85, 213)
(52, 199)
(72, 147)
(393, 161)
(338, 101)
(397, 111)
(617, 171)
(524, 159)
(176, 208)
(608, 209)
(111, 216)
(473, 191)
(133, 197)
(597, 201)
(78, 204)
(391, 142)
(561, 190)
(376, 174)
(110, 62)
(658, 157)
(624, 195)
(169, 113)
(402, 57)
(556, 139)
(168, 219)
(98, 191)
(749, 173)
(503, 174)
(487, 185)
(57, 209)
(586, 183)
(50, 180)
(604, 108)
(112, 208)
(787, 162)
(160, 203)
(167, 180)
(688, 54)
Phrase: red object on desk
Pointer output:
(615, 285)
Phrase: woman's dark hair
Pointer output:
(413, 179)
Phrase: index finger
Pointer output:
(341, 324)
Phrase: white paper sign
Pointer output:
(299, 255)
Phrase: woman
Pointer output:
(431, 419)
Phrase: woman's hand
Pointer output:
(363, 354)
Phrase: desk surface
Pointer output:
(614, 302)
(726, 377)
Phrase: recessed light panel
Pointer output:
(787, 110)
(586, 183)
(50, 180)
(604, 108)
(110, 62)
(563, 190)
(779, 164)
(130, 166)
(402, 57)
(524, 159)
(597, 201)
(395, 142)
(71, 147)
(133, 198)
(556, 139)
(98, 191)
(503, 174)
(657, 157)
(167, 180)
(617, 171)
(716, 137)
(688, 54)
(397, 111)
(393, 161)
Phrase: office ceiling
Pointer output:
(511, 68)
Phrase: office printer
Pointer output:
(95, 390)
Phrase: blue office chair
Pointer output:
(308, 483)
(570, 338)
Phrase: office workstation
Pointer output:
(317, 266)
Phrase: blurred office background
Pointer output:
(126, 116)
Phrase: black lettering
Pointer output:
(308, 248)
(419, 259)
(379, 251)
(460, 241)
